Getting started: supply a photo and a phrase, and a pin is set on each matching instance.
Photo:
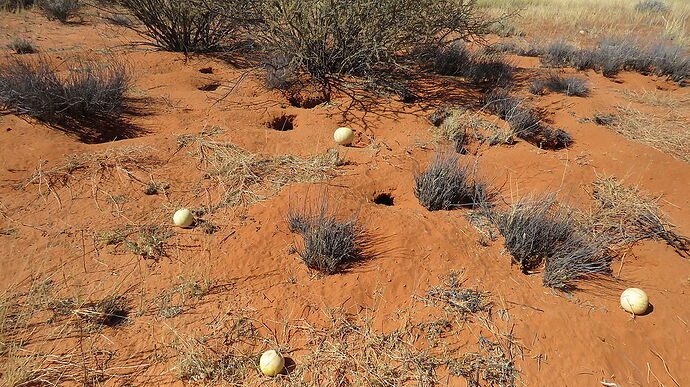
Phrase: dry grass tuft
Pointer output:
(659, 98)
(46, 340)
(493, 365)
(245, 178)
(226, 354)
(462, 125)
(330, 245)
(173, 302)
(148, 240)
(102, 166)
(666, 134)
(458, 299)
(627, 215)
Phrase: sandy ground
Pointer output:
(576, 340)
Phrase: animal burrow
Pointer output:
(282, 123)
(308, 102)
(210, 86)
(384, 198)
(206, 70)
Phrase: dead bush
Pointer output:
(189, 26)
(329, 40)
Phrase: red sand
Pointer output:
(577, 341)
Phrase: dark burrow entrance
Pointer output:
(281, 123)
(385, 199)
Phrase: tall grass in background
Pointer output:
(594, 18)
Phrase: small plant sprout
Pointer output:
(183, 218)
(344, 136)
(271, 363)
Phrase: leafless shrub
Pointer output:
(446, 184)
(15, 5)
(330, 245)
(329, 40)
(189, 26)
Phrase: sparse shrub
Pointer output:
(559, 54)
(614, 54)
(36, 88)
(652, 6)
(446, 184)
(457, 60)
(543, 232)
(15, 5)
(62, 10)
(22, 46)
(571, 86)
(189, 26)
(524, 122)
(329, 245)
(329, 39)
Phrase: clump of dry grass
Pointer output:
(348, 349)
(147, 240)
(457, 299)
(544, 232)
(330, 245)
(659, 98)
(492, 364)
(666, 134)
(172, 302)
(39, 344)
(244, 177)
(462, 125)
(447, 184)
(226, 354)
(101, 165)
(111, 310)
(627, 215)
